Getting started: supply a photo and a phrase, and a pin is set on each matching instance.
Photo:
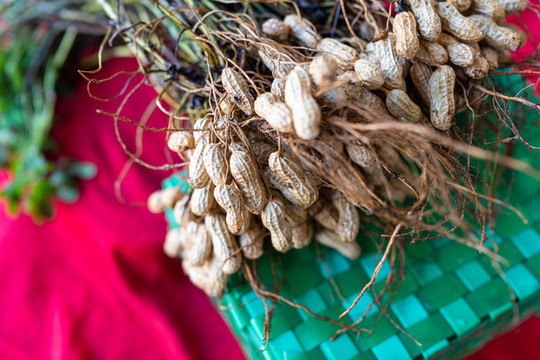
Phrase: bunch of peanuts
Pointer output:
(247, 186)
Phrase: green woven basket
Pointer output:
(451, 299)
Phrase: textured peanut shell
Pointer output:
(499, 37)
(457, 24)
(359, 154)
(278, 88)
(245, 173)
(199, 128)
(202, 200)
(490, 8)
(180, 140)
(400, 105)
(478, 69)
(389, 64)
(513, 6)
(262, 152)
(215, 163)
(458, 53)
(276, 28)
(237, 88)
(303, 30)
(369, 74)
(276, 60)
(276, 183)
(198, 177)
(252, 242)
(348, 217)
(441, 92)
(344, 55)
(420, 75)
(329, 238)
(437, 52)
(326, 215)
(230, 199)
(306, 113)
(429, 23)
(273, 218)
(223, 243)
(275, 112)
(461, 5)
(291, 172)
(406, 36)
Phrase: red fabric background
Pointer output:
(95, 284)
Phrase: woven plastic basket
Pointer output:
(451, 300)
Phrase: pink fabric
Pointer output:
(95, 284)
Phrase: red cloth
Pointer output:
(95, 284)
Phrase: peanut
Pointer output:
(513, 6)
(215, 163)
(231, 200)
(273, 218)
(461, 5)
(492, 57)
(406, 37)
(478, 69)
(359, 154)
(181, 140)
(202, 200)
(490, 8)
(276, 28)
(305, 110)
(245, 172)
(277, 60)
(348, 218)
(181, 212)
(201, 129)
(369, 74)
(237, 88)
(290, 171)
(401, 106)
(344, 55)
(323, 70)
(326, 215)
(173, 243)
(457, 24)
(441, 92)
(429, 23)
(275, 112)
(389, 64)
(161, 199)
(198, 243)
(278, 184)
(499, 37)
(459, 54)
(303, 30)
(252, 242)
(278, 88)
(223, 243)
(329, 238)
(302, 235)
(295, 214)
(437, 52)
(262, 152)
(420, 75)
(370, 101)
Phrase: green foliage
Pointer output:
(31, 58)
